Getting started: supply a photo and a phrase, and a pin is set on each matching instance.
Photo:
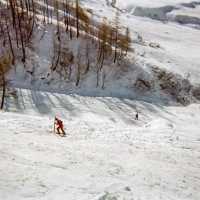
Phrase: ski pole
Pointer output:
(54, 125)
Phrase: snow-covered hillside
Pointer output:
(106, 154)
(165, 53)
(178, 41)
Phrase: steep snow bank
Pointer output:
(185, 15)
(158, 13)
(176, 11)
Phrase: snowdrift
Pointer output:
(176, 11)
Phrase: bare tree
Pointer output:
(126, 42)
(103, 41)
(77, 18)
(51, 13)
(78, 71)
(82, 19)
(116, 36)
(57, 17)
(21, 33)
(12, 5)
(6, 91)
(47, 10)
(9, 39)
(33, 6)
(87, 57)
(13, 11)
(67, 10)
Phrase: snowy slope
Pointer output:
(179, 43)
(185, 12)
(169, 46)
(106, 154)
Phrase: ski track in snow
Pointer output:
(108, 158)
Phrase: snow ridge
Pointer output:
(175, 12)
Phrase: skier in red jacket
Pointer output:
(59, 124)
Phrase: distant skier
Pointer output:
(136, 116)
(59, 124)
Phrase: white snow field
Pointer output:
(106, 155)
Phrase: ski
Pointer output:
(60, 135)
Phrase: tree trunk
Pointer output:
(21, 36)
(3, 89)
(77, 19)
(10, 42)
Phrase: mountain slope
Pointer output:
(165, 57)
(106, 153)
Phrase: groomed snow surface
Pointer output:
(106, 155)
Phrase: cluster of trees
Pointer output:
(111, 40)
(17, 24)
(19, 20)
(17, 31)
(107, 40)
(17, 27)
(100, 44)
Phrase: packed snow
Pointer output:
(107, 154)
